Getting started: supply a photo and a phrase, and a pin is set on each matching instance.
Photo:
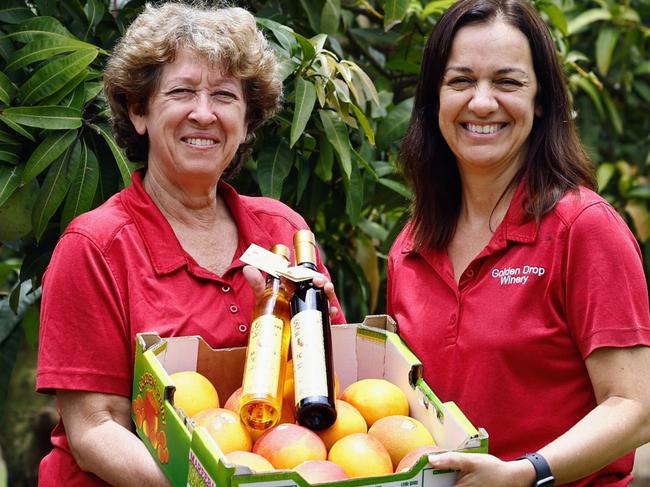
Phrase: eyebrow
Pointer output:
(505, 70)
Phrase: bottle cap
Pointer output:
(282, 250)
(304, 244)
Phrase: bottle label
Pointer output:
(263, 356)
(308, 352)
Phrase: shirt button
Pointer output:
(243, 328)
(470, 273)
(225, 289)
(233, 308)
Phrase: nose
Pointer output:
(203, 111)
(483, 101)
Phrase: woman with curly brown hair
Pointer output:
(187, 87)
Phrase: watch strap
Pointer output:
(543, 472)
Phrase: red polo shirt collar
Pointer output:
(517, 226)
(163, 247)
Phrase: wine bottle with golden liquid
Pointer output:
(311, 344)
(260, 405)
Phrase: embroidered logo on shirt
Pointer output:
(517, 275)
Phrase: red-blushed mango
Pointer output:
(376, 398)
(288, 445)
(257, 463)
(414, 455)
(400, 434)
(226, 429)
(361, 455)
(348, 421)
(320, 471)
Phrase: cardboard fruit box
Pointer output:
(189, 456)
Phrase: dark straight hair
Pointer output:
(556, 161)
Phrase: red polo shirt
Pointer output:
(120, 270)
(508, 342)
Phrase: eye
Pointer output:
(460, 82)
(180, 91)
(509, 83)
(225, 95)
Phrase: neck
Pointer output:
(190, 206)
(486, 198)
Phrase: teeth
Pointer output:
(483, 129)
(196, 141)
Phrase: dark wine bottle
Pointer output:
(311, 344)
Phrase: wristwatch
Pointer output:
(542, 470)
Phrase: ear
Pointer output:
(538, 110)
(137, 119)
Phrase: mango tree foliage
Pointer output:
(349, 69)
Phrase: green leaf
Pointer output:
(313, 13)
(396, 186)
(53, 191)
(592, 91)
(643, 68)
(14, 12)
(392, 128)
(54, 75)
(94, 10)
(31, 319)
(273, 165)
(330, 15)
(643, 89)
(588, 17)
(47, 151)
(394, 12)
(641, 192)
(614, 116)
(363, 120)
(17, 128)
(308, 51)
(44, 117)
(436, 8)
(9, 181)
(605, 44)
(318, 41)
(125, 166)
(8, 155)
(7, 89)
(353, 194)
(305, 100)
(44, 48)
(556, 15)
(325, 161)
(74, 86)
(39, 26)
(337, 134)
(84, 186)
(368, 86)
(282, 33)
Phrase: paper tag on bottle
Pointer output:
(276, 265)
(264, 260)
(299, 273)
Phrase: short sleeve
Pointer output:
(84, 339)
(606, 290)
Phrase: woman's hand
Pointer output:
(478, 469)
(257, 284)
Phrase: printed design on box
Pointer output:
(197, 476)
(150, 415)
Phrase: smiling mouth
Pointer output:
(483, 129)
(198, 142)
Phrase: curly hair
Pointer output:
(225, 37)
